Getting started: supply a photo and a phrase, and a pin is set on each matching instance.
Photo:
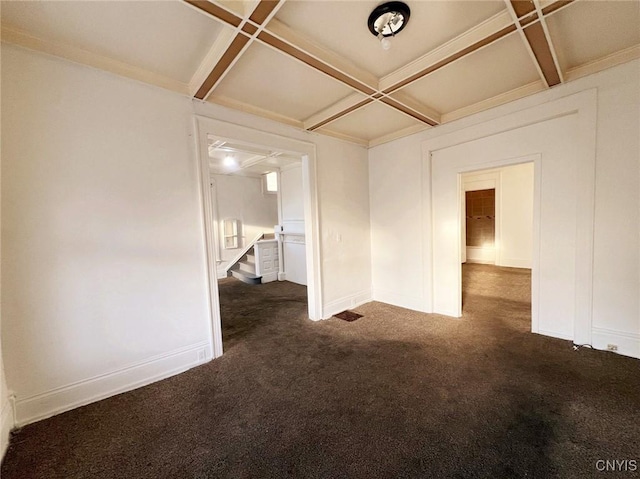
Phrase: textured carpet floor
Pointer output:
(394, 394)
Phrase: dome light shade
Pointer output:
(389, 18)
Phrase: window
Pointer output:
(270, 183)
(231, 235)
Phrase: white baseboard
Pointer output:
(628, 343)
(399, 299)
(451, 314)
(478, 254)
(58, 400)
(480, 261)
(555, 334)
(7, 419)
(282, 276)
(269, 277)
(514, 263)
(348, 302)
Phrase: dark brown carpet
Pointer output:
(394, 394)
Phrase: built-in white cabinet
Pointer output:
(267, 260)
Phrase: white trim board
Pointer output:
(415, 303)
(628, 343)
(554, 334)
(347, 302)
(583, 105)
(204, 126)
(7, 421)
(71, 396)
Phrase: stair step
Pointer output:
(247, 267)
(269, 236)
(246, 277)
(251, 258)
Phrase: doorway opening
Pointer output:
(260, 215)
(497, 241)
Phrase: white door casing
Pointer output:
(307, 151)
(511, 139)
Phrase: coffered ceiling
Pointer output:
(316, 66)
(241, 159)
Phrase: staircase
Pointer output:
(245, 267)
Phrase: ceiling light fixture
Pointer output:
(387, 20)
(229, 161)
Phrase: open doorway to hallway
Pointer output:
(497, 241)
(258, 218)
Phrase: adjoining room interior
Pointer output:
(382, 116)
(258, 221)
(497, 235)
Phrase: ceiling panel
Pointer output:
(228, 158)
(273, 81)
(162, 37)
(370, 122)
(497, 68)
(341, 26)
(589, 30)
(262, 168)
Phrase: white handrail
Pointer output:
(244, 251)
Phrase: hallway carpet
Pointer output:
(396, 394)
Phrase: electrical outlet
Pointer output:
(612, 347)
(202, 354)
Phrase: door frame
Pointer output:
(584, 106)
(536, 160)
(204, 126)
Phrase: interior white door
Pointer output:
(294, 260)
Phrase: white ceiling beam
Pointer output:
(547, 36)
(501, 99)
(416, 106)
(609, 61)
(15, 36)
(228, 47)
(324, 56)
(345, 137)
(351, 103)
(253, 110)
(556, 7)
(529, 21)
(410, 130)
(483, 34)
(213, 57)
(220, 11)
(254, 160)
(244, 8)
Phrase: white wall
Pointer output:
(6, 406)
(344, 225)
(400, 272)
(555, 280)
(291, 194)
(101, 234)
(102, 231)
(516, 216)
(241, 197)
